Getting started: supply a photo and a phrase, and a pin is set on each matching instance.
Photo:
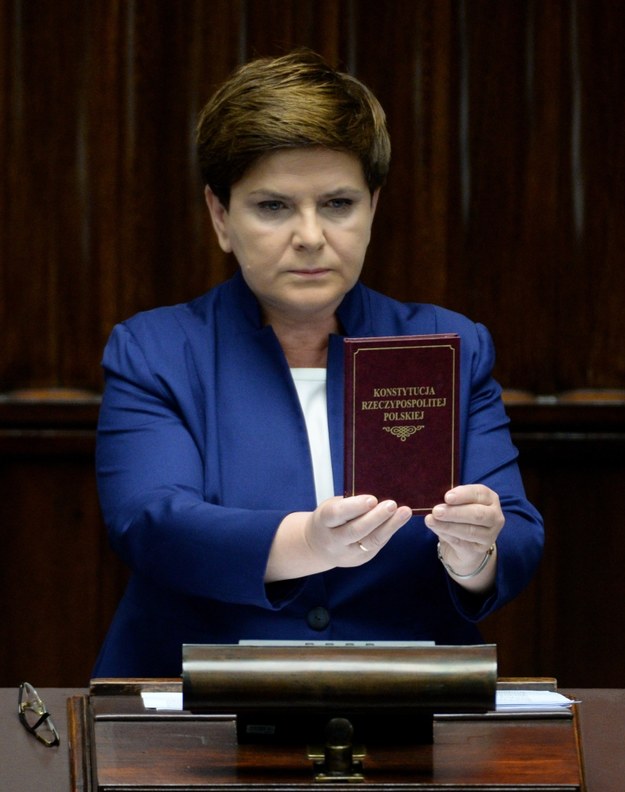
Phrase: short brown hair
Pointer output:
(297, 100)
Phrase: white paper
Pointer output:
(531, 701)
(169, 700)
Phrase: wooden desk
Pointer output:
(26, 765)
(162, 752)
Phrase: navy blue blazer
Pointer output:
(202, 450)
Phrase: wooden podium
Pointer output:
(116, 744)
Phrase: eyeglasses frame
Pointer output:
(29, 699)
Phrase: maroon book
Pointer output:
(401, 418)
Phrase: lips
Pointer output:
(310, 272)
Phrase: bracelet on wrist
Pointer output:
(475, 572)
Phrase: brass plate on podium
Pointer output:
(115, 745)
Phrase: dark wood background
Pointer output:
(506, 201)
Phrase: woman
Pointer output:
(220, 437)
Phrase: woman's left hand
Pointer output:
(467, 525)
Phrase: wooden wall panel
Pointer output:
(505, 192)
(506, 201)
(570, 622)
(408, 253)
(538, 188)
(59, 580)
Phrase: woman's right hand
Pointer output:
(340, 532)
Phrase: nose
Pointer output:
(308, 231)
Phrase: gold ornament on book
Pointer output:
(403, 432)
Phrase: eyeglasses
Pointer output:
(34, 716)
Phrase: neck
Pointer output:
(305, 345)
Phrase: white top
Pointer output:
(311, 389)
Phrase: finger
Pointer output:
(365, 522)
(382, 522)
(466, 534)
(372, 536)
(471, 493)
(338, 511)
(471, 533)
(473, 514)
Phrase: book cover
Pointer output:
(401, 418)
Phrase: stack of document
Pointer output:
(523, 700)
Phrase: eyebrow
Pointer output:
(344, 191)
(338, 191)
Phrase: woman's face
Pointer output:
(299, 223)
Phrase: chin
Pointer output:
(323, 305)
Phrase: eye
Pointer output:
(339, 204)
(271, 206)
(338, 208)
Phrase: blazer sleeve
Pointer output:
(489, 457)
(150, 473)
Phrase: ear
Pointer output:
(219, 216)
(374, 201)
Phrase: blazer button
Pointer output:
(318, 618)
